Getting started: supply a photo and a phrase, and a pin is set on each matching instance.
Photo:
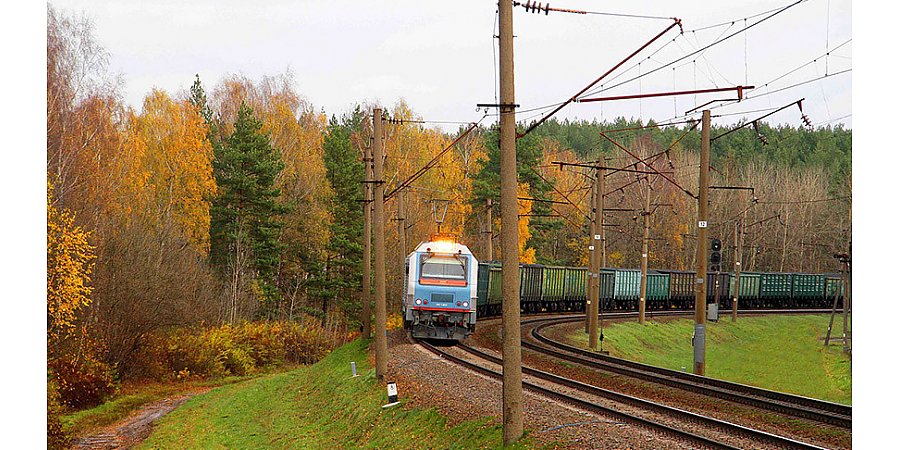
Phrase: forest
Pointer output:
(215, 220)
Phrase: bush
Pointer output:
(56, 437)
(82, 382)
(239, 349)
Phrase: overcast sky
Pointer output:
(439, 56)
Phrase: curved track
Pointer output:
(782, 403)
(677, 414)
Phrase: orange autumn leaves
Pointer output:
(174, 179)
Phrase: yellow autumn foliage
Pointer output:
(70, 262)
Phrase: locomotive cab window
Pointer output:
(443, 267)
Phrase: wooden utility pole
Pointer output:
(645, 248)
(595, 258)
(702, 223)
(738, 256)
(380, 300)
(489, 231)
(509, 235)
(367, 249)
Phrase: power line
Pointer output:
(796, 202)
(727, 22)
(718, 41)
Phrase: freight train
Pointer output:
(440, 284)
(562, 289)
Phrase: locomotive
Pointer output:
(440, 290)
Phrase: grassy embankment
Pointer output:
(131, 398)
(318, 406)
(784, 353)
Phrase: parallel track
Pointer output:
(783, 403)
(730, 428)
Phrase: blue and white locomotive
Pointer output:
(441, 285)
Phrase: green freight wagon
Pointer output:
(681, 288)
(574, 296)
(657, 290)
(530, 287)
(607, 289)
(749, 293)
(775, 289)
(484, 284)
(808, 289)
(721, 286)
(627, 288)
(834, 285)
(553, 288)
(495, 290)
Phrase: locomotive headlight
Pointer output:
(465, 304)
(418, 301)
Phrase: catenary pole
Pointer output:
(367, 248)
(401, 224)
(489, 231)
(602, 184)
(738, 257)
(378, 219)
(700, 282)
(592, 247)
(595, 260)
(645, 248)
(509, 235)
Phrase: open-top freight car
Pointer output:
(563, 289)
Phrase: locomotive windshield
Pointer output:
(450, 267)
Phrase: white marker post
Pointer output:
(392, 395)
(353, 369)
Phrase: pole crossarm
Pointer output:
(618, 169)
(739, 89)
(798, 102)
(734, 188)
(656, 172)
(676, 22)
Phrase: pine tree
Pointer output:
(245, 225)
(344, 170)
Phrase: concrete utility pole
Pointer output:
(595, 257)
(509, 236)
(738, 256)
(602, 184)
(489, 231)
(645, 248)
(702, 222)
(592, 247)
(401, 226)
(380, 307)
(367, 249)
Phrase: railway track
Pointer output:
(557, 385)
(779, 402)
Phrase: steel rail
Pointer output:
(733, 429)
(586, 405)
(794, 405)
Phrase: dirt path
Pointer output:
(131, 431)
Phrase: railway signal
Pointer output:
(715, 255)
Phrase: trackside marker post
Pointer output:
(353, 369)
(392, 395)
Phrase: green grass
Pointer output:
(318, 406)
(783, 353)
(130, 399)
